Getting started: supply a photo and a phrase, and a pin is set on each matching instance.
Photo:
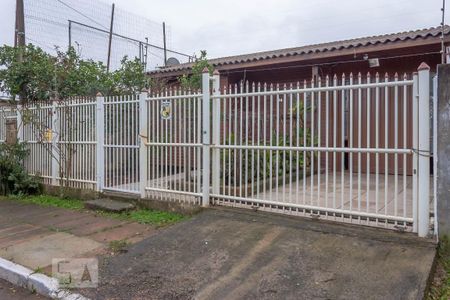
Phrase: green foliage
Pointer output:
(34, 75)
(130, 78)
(77, 77)
(160, 218)
(440, 287)
(194, 80)
(51, 201)
(13, 177)
(286, 162)
(118, 246)
(33, 78)
(143, 216)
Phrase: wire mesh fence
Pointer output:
(85, 25)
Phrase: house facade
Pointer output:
(390, 56)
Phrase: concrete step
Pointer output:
(109, 205)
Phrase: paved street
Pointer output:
(11, 292)
(236, 254)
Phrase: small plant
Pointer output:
(51, 201)
(194, 80)
(13, 177)
(235, 163)
(440, 287)
(38, 270)
(118, 246)
(159, 218)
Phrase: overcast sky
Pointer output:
(237, 26)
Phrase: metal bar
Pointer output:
(415, 104)
(120, 102)
(143, 134)
(216, 135)
(368, 143)
(164, 42)
(100, 127)
(424, 151)
(386, 143)
(435, 158)
(110, 38)
(206, 137)
(321, 89)
(350, 133)
(173, 192)
(315, 208)
(131, 39)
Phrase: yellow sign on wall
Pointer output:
(48, 135)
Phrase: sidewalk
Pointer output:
(32, 235)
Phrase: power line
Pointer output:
(79, 12)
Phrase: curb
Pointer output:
(36, 282)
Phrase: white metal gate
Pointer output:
(172, 146)
(353, 149)
(119, 152)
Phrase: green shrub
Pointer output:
(13, 177)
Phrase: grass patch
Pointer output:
(142, 216)
(118, 246)
(440, 287)
(147, 216)
(50, 201)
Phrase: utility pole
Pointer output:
(145, 53)
(110, 38)
(165, 47)
(443, 58)
(70, 34)
(19, 32)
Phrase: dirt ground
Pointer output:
(236, 254)
(9, 291)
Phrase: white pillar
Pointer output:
(54, 146)
(19, 123)
(143, 140)
(215, 165)
(415, 144)
(100, 127)
(424, 151)
(205, 136)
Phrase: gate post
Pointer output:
(424, 151)
(143, 139)
(54, 145)
(415, 146)
(100, 127)
(215, 165)
(205, 136)
(19, 124)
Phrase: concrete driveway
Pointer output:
(235, 254)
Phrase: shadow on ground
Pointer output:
(234, 254)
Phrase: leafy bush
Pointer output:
(13, 177)
(241, 162)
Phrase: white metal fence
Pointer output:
(352, 148)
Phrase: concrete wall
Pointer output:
(443, 150)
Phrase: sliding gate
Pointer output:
(352, 149)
